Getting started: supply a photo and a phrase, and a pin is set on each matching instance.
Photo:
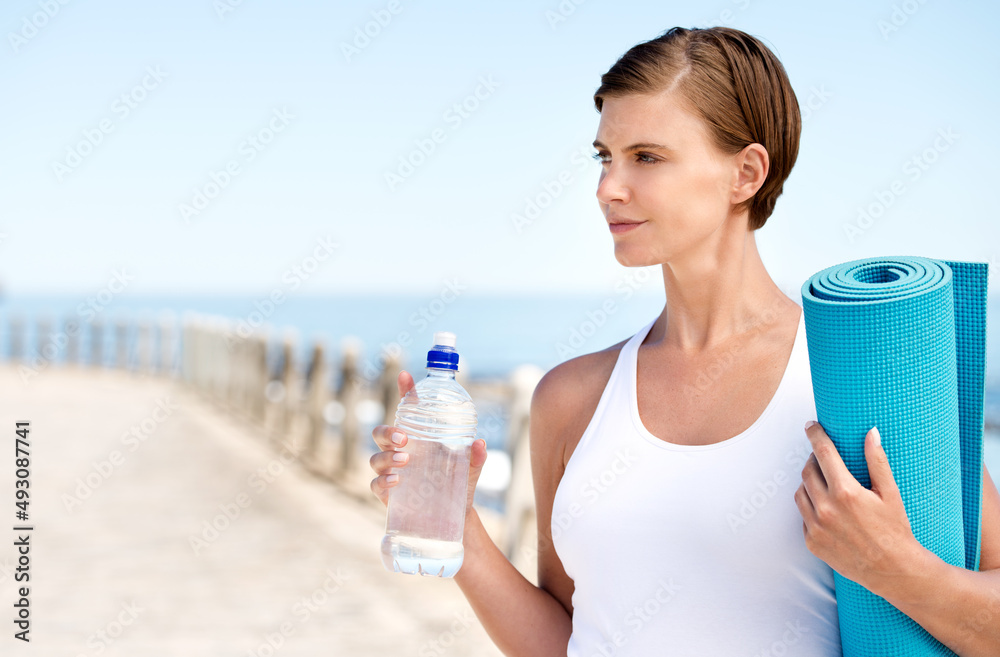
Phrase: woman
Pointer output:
(682, 509)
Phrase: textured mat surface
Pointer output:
(899, 342)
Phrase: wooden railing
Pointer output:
(319, 408)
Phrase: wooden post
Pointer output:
(520, 532)
(286, 406)
(259, 379)
(220, 360)
(197, 356)
(47, 352)
(72, 327)
(184, 350)
(388, 390)
(233, 345)
(248, 358)
(96, 343)
(16, 338)
(208, 362)
(292, 383)
(318, 395)
(237, 348)
(144, 347)
(167, 325)
(185, 347)
(190, 351)
(349, 394)
(121, 344)
(220, 356)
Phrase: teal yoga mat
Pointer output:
(900, 343)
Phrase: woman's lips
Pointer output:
(624, 228)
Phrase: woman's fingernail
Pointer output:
(399, 457)
(809, 424)
(391, 479)
(397, 437)
(877, 436)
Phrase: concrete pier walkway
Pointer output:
(164, 527)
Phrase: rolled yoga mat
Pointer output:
(900, 343)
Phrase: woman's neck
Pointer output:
(715, 295)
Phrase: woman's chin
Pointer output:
(631, 257)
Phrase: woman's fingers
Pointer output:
(383, 437)
(382, 484)
(404, 382)
(383, 462)
(478, 456)
(476, 460)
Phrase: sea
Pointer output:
(495, 334)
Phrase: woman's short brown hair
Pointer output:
(734, 82)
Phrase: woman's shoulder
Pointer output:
(567, 396)
(578, 379)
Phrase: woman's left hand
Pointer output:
(862, 534)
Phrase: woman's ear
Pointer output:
(752, 165)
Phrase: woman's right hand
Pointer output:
(384, 462)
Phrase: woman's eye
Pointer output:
(641, 158)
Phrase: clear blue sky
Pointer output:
(340, 122)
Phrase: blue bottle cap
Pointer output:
(443, 355)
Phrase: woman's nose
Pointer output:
(611, 186)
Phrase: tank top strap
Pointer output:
(636, 340)
(613, 407)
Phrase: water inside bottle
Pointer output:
(421, 556)
(426, 514)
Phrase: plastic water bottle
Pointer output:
(425, 519)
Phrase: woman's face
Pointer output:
(660, 168)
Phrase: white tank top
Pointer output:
(693, 550)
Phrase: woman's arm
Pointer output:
(959, 607)
(865, 536)
(521, 618)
